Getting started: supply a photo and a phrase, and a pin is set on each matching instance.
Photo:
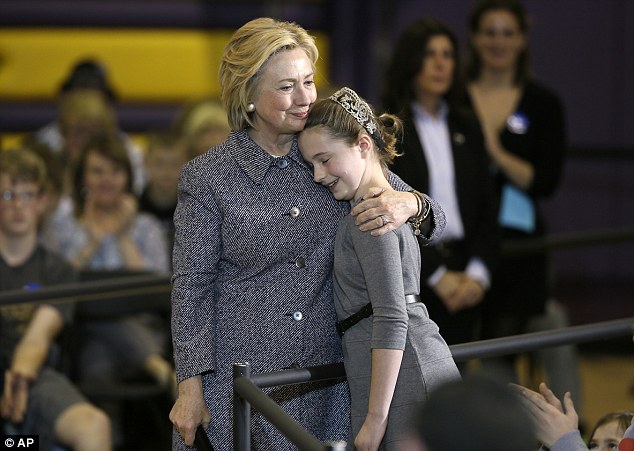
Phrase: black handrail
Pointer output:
(516, 344)
(247, 389)
(568, 240)
(92, 290)
(247, 392)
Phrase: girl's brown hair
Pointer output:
(333, 117)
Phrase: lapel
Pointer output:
(414, 164)
(461, 160)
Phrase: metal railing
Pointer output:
(569, 240)
(133, 285)
(247, 387)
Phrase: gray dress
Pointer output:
(383, 270)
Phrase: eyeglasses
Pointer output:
(24, 196)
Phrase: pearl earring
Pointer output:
(250, 107)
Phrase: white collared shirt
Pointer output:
(433, 132)
(434, 135)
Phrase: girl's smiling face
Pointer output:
(337, 165)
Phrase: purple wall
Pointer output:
(583, 49)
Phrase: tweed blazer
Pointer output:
(476, 196)
(253, 255)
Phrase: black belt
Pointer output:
(366, 310)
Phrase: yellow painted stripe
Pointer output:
(143, 65)
(14, 140)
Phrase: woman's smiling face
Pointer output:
(285, 90)
(499, 40)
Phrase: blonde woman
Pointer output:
(254, 244)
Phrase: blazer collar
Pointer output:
(420, 113)
(254, 160)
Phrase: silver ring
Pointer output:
(384, 220)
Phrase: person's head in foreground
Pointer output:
(472, 414)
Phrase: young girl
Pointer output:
(393, 353)
(610, 430)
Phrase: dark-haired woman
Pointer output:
(443, 154)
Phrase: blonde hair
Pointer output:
(201, 115)
(250, 47)
(85, 104)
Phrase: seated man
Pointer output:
(36, 399)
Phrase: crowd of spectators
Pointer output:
(488, 146)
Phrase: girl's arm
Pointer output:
(386, 364)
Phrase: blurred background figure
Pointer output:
(81, 113)
(444, 155)
(106, 232)
(525, 134)
(202, 125)
(609, 430)
(36, 397)
(557, 423)
(165, 155)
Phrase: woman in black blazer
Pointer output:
(443, 154)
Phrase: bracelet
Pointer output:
(419, 204)
(423, 213)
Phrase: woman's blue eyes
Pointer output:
(289, 87)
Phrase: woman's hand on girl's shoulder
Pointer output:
(384, 209)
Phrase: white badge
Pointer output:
(518, 123)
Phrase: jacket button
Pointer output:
(295, 212)
(300, 262)
(281, 162)
(298, 316)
